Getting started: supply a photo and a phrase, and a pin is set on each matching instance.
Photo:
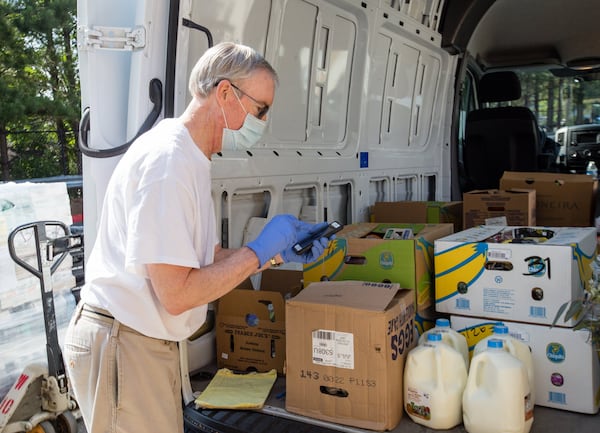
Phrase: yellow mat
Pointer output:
(229, 390)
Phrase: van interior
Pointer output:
(378, 101)
(548, 46)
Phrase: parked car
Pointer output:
(579, 144)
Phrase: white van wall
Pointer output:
(361, 115)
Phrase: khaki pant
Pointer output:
(123, 381)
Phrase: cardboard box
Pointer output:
(517, 206)
(250, 331)
(562, 200)
(523, 274)
(430, 212)
(346, 363)
(566, 366)
(359, 252)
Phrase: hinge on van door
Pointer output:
(111, 38)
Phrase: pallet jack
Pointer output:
(40, 401)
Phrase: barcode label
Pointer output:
(499, 254)
(557, 397)
(322, 335)
(537, 312)
(463, 304)
(333, 348)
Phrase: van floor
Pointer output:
(274, 418)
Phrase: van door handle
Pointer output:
(155, 94)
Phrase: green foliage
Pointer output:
(40, 88)
(585, 312)
(559, 101)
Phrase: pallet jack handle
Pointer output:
(57, 247)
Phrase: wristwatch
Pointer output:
(275, 263)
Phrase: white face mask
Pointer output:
(247, 136)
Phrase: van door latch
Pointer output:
(111, 38)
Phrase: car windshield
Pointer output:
(567, 109)
(560, 101)
(566, 105)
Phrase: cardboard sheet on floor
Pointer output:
(229, 390)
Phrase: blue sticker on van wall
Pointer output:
(555, 352)
(364, 159)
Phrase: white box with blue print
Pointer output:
(566, 366)
(513, 273)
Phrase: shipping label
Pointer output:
(332, 348)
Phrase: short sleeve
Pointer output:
(161, 226)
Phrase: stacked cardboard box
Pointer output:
(251, 334)
(516, 207)
(562, 200)
(566, 364)
(345, 362)
(430, 212)
(522, 276)
(382, 252)
(513, 273)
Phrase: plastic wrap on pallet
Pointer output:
(22, 331)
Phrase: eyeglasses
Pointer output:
(262, 108)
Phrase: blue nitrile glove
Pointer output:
(289, 255)
(277, 235)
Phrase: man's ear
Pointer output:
(223, 91)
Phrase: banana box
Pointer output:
(523, 274)
(425, 320)
(382, 252)
(566, 365)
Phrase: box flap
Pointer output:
(492, 192)
(354, 294)
(378, 230)
(558, 178)
(284, 281)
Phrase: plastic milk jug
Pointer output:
(449, 336)
(435, 376)
(496, 398)
(515, 347)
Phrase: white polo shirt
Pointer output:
(158, 208)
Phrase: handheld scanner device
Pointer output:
(306, 244)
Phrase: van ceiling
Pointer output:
(509, 33)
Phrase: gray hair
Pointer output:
(228, 61)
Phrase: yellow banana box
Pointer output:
(382, 252)
(515, 273)
(425, 319)
(566, 366)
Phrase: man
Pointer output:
(157, 263)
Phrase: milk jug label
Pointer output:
(333, 348)
(418, 403)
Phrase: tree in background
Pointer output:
(559, 101)
(40, 89)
